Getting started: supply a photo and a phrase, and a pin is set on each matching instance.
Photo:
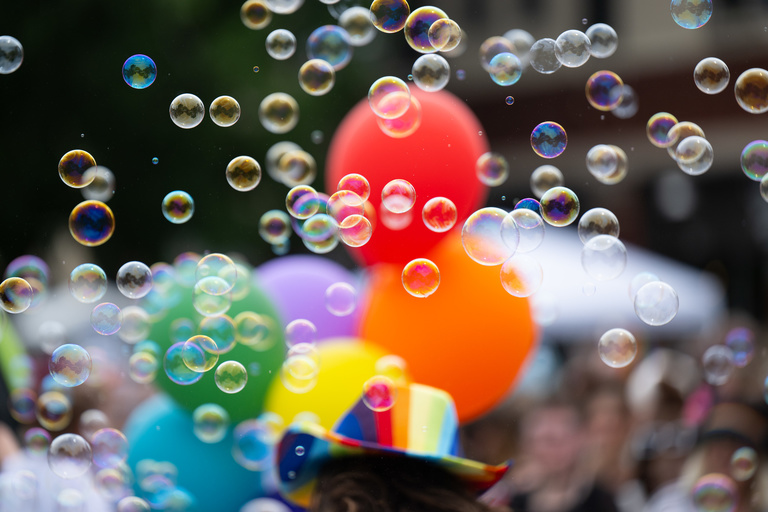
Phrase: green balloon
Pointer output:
(262, 365)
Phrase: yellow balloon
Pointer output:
(345, 364)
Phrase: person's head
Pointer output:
(553, 436)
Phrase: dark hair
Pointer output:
(390, 484)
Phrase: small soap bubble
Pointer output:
(715, 492)
(741, 341)
(658, 128)
(53, 411)
(439, 214)
(139, 71)
(16, 295)
(11, 54)
(275, 227)
(509, 100)
(681, 131)
(344, 203)
(70, 365)
(155, 161)
(187, 111)
(255, 14)
(559, 206)
(398, 196)
(389, 97)
(656, 303)
(142, 367)
(279, 113)
(460, 74)
(481, 237)
(69, 456)
(355, 230)
(431, 72)
(751, 91)
(216, 274)
(178, 207)
(243, 173)
(253, 445)
(420, 277)
(394, 221)
(597, 221)
(603, 39)
(492, 47)
(255, 69)
(604, 90)
(694, 155)
(506, 69)
(22, 404)
(299, 371)
(548, 139)
(134, 279)
(691, 14)
(572, 48)
(754, 160)
(340, 299)
(302, 202)
(224, 111)
(743, 464)
(389, 16)
(317, 136)
(110, 448)
(176, 369)
(521, 275)
(182, 329)
(332, 44)
(492, 169)
(300, 331)
(317, 77)
(617, 348)
(544, 178)
(528, 226)
(358, 23)
(417, 28)
(444, 35)
(210, 423)
(281, 44)
(284, 6)
(37, 440)
(711, 75)
(521, 41)
(404, 125)
(73, 166)
(221, 329)
(379, 393)
(200, 353)
(255, 331)
(135, 326)
(604, 257)
(718, 364)
(91, 223)
(297, 168)
(543, 56)
(607, 163)
(101, 186)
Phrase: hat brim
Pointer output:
(305, 447)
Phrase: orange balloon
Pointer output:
(469, 338)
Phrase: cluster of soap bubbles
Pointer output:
(685, 142)
(187, 111)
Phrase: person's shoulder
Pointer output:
(598, 500)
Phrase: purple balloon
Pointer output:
(297, 285)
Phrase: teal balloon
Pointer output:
(262, 366)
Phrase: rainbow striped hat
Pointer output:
(422, 424)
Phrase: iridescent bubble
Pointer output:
(694, 155)
(598, 221)
(221, 329)
(110, 448)
(53, 411)
(573, 48)
(224, 111)
(330, 43)
(691, 14)
(216, 274)
(112, 483)
(715, 492)
(142, 367)
(711, 75)
(544, 178)
(506, 69)
(431, 72)
(509, 100)
(607, 163)
(302, 202)
(604, 257)
(133, 504)
(15, 295)
(69, 456)
(439, 214)
(417, 28)
(559, 206)
(741, 341)
(253, 445)
(253, 330)
(379, 393)
(281, 44)
(22, 404)
(355, 230)
(91, 421)
(492, 47)
(358, 23)
(70, 365)
(521, 275)
(444, 35)
(182, 329)
(300, 368)
(681, 131)
(628, 104)
(102, 184)
(136, 325)
(273, 156)
(316, 77)
(300, 331)
(420, 277)
(139, 71)
(176, 369)
(37, 440)
(718, 364)
(275, 227)
(383, 99)
(754, 159)
(526, 227)
(398, 196)
(134, 279)
(356, 183)
(155, 161)
(243, 173)
(11, 54)
(200, 353)
(285, 6)
(91, 223)
(279, 113)
(617, 348)
(492, 169)
(340, 299)
(148, 346)
(344, 203)
(481, 237)
(73, 166)
(389, 16)
(406, 124)
(521, 41)
(231, 377)
(604, 40)
(751, 90)
(743, 464)
(187, 111)
(543, 57)
(178, 207)
(656, 303)
(604, 90)
(210, 423)
(658, 128)
(255, 14)
(548, 139)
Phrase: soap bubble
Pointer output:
(543, 57)
(691, 14)
(544, 178)
(379, 393)
(694, 155)
(604, 40)
(134, 279)
(300, 331)
(711, 75)
(743, 463)
(53, 411)
(607, 163)
(253, 445)
(572, 48)
(406, 124)
(139, 71)
(69, 456)
(243, 173)
(509, 100)
(679, 133)
(284, 6)
(598, 221)
(101, 186)
(15, 295)
(255, 14)
(617, 348)
(715, 492)
(431, 72)
(297, 168)
(548, 139)
(439, 214)
(604, 257)
(521, 275)
(281, 44)
(231, 377)
(210, 422)
(398, 196)
(187, 111)
(444, 35)
(300, 369)
(224, 111)
(11, 54)
(355, 230)
(505, 69)
(302, 202)
(133, 504)
(273, 156)
(656, 303)
(176, 369)
(389, 97)
(87, 283)
(492, 47)
(216, 274)
(389, 16)
(658, 128)
(718, 364)
(70, 365)
(604, 90)
(751, 90)
(628, 104)
(221, 329)
(275, 227)
(492, 169)
(279, 113)
(178, 207)
(142, 367)
(530, 229)
(356, 183)
(741, 341)
(420, 277)
(522, 42)
(417, 28)
(481, 237)
(340, 299)
(73, 166)
(22, 404)
(316, 77)
(754, 160)
(330, 43)
(559, 206)
(136, 325)
(358, 23)
(200, 353)
(110, 448)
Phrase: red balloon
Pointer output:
(438, 159)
